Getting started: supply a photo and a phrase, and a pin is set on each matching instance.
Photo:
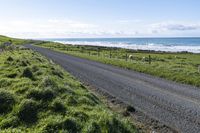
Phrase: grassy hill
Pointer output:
(15, 41)
(36, 95)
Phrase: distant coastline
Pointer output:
(186, 44)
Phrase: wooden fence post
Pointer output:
(81, 50)
(98, 52)
(110, 53)
(126, 57)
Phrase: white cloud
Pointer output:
(48, 28)
(57, 28)
(60, 28)
(176, 26)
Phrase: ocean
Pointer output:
(157, 44)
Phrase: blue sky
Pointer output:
(99, 18)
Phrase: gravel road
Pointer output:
(176, 105)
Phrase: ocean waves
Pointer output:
(145, 46)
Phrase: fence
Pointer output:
(111, 53)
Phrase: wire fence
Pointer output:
(112, 53)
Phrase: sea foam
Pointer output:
(147, 46)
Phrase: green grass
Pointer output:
(37, 95)
(14, 41)
(179, 67)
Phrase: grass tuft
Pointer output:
(94, 128)
(28, 111)
(27, 73)
(10, 59)
(57, 73)
(71, 126)
(72, 101)
(6, 102)
(48, 82)
(41, 94)
(58, 106)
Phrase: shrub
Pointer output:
(6, 102)
(27, 73)
(28, 111)
(44, 95)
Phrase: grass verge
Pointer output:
(36, 95)
(179, 67)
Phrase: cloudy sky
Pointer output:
(99, 18)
